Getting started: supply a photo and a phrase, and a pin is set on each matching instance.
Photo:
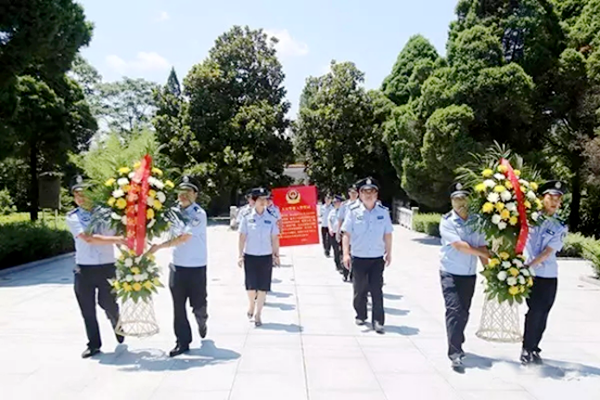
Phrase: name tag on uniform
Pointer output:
(548, 231)
(251, 221)
(359, 217)
(267, 222)
(380, 217)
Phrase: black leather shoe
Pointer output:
(120, 338)
(203, 330)
(536, 358)
(89, 352)
(179, 349)
(525, 357)
(457, 365)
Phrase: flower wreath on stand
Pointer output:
(505, 204)
(140, 206)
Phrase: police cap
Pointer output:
(367, 183)
(458, 189)
(188, 183)
(554, 187)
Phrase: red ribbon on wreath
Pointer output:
(524, 231)
(136, 206)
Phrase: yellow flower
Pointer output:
(111, 201)
(517, 172)
(538, 204)
(132, 253)
(169, 184)
(156, 281)
(480, 188)
(148, 285)
(513, 290)
(121, 203)
(508, 185)
(505, 214)
(487, 208)
(151, 257)
(137, 286)
(504, 255)
(502, 169)
(513, 271)
(152, 193)
(499, 189)
(527, 204)
(135, 270)
(157, 206)
(110, 182)
(116, 285)
(487, 173)
(500, 206)
(530, 281)
(126, 287)
(124, 170)
(513, 220)
(150, 213)
(122, 257)
(523, 189)
(157, 171)
(533, 186)
(126, 188)
(494, 262)
(521, 288)
(137, 165)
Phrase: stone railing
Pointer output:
(233, 212)
(406, 215)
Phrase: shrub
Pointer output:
(427, 223)
(574, 245)
(6, 203)
(591, 252)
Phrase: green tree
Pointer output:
(339, 131)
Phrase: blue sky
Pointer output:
(143, 39)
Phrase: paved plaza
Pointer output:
(308, 347)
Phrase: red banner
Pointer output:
(136, 206)
(298, 206)
(514, 180)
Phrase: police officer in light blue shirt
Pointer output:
(544, 241)
(367, 244)
(187, 278)
(461, 246)
(324, 211)
(95, 266)
(334, 228)
(246, 208)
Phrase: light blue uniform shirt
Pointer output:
(551, 233)
(193, 253)
(258, 230)
(344, 209)
(274, 210)
(367, 230)
(333, 219)
(325, 210)
(78, 221)
(243, 211)
(454, 229)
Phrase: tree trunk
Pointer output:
(574, 217)
(33, 189)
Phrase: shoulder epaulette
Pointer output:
(74, 211)
(270, 212)
(382, 206)
(447, 215)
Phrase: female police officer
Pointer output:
(187, 278)
(544, 242)
(95, 265)
(258, 251)
(460, 248)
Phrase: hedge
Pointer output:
(576, 245)
(23, 242)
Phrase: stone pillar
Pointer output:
(233, 212)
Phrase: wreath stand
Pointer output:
(500, 322)
(137, 319)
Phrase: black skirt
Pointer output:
(259, 270)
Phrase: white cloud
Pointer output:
(287, 45)
(143, 62)
(164, 16)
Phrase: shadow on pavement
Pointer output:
(281, 306)
(430, 241)
(158, 360)
(402, 330)
(280, 295)
(273, 326)
(391, 296)
(396, 311)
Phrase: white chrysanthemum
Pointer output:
(518, 262)
(160, 196)
(124, 220)
(531, 195)
(129, 278)
(128, 262)
(502, 275)
(523, 182)
(151, 224)
(512, 281)
(502, 225)
(150, 201)
(521, 280)
(496, 219)
(159, 184)
(118, 193)
(531, 271)
(493, 198)
(131, 175)
(138, 259)
(499, 176)
(535, 216)
(489, 183)
(144, 276)
(506, 264)
(506, 195)
(525, 272)
(512, 207)
(138, 278)
(123, 181)
(115, 216)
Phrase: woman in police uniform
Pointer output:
(258, 251)
(545, 240)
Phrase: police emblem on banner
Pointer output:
(292, 196)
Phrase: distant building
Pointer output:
(297, 173)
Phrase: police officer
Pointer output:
(544, 241)
(334, 235)
(352, 199)
(246, 208)
(325, 209)
(258, 250)
(461, 246)
(95, 265)
(367, 244)
(187, 277)
(274, 210)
